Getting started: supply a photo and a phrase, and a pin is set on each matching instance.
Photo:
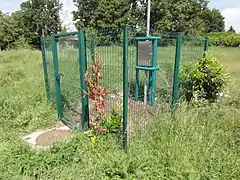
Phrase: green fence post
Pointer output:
(206, 44)
(82, 69)
(176, 70)
(125, 87)
(92, 50)
(154, 73)
(137, 77)
(137, 85)
(43, 50)
(57, 77)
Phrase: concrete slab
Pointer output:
(59, 132)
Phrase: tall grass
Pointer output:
(200, 143)
(23, 105)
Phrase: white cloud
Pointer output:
(9, 6)
(223, 4)
(230, 9)
(232, 18)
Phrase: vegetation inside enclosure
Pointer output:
(201, 143)
(100, 122)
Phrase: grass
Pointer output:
(229, 57)
(201, 143)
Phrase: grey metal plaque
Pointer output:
(145, 52)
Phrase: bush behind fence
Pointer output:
(224, 39)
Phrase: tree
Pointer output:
(113, 13)
(231, 29)
(85, 15)
(12, 31)
(17, 16)
(41, 18)
(178, 16)
(8, 31)
(214, 21)
(138, 13)
(99, 13)
(187, 16)
(64, 29)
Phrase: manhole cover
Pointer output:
(48, 138)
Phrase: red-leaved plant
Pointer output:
(97, 94)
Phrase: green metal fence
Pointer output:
(138, 90)
(64, 72)
(48, 68)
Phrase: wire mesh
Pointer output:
(68, 64)
(142, 114)
(166, 60)
(50, 70)
(192, 48)
(105, 45)
(192, 51)
(138, 112)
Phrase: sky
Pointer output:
(230, 10)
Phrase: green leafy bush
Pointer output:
(226, 39)
(110, 125)
(206, 79)
(113, 123)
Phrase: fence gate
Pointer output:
(69, 64)
(65, 63)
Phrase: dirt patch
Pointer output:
(47, 139)
(139, 114)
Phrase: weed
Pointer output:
(112, 123)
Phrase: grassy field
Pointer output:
(201, 143)
(229, 57)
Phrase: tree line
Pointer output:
(37, 18)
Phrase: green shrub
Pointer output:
(113, 123)
(226, 39)
(206, 79)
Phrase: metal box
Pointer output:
(145, 53)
